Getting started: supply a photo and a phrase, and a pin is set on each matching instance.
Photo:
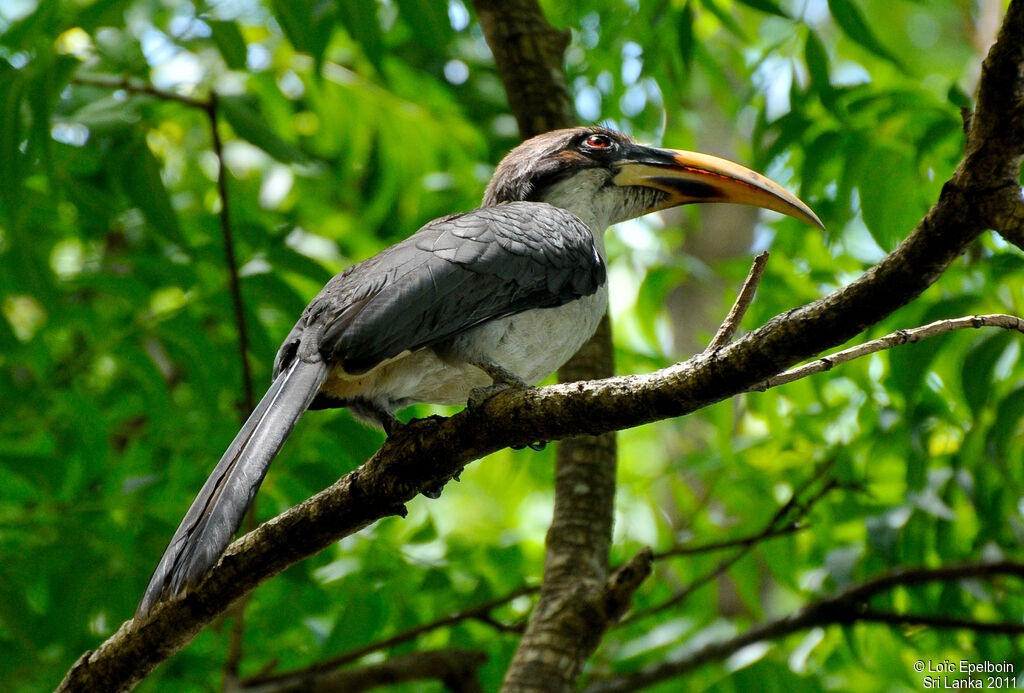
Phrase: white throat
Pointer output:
(599, 204)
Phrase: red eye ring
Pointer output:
(598, 142)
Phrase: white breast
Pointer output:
(532, 345)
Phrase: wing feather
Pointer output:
(453, 274)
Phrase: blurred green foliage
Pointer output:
(348, 125)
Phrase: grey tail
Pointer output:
(217, 511)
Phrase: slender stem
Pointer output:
(209, 106)
(711, 547)
(844, 608)
(479, 613)
(786, 518)
(893, 339)
(739, 307)
(234, 284)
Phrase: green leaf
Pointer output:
(361, 22)
(1006, 428)
(684, 29)
(766, 6)
(817, 65)
(429, 21)
(12, 91)
(307, 24)
(140, 179)
(727, 21)
(978, 366)
(885, 178)
(249, 125)
(230, 43)
(852, 22)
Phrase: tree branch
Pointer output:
(893, 339)
(732, 321)
(457, 669)
(431, 451)
(478, 613)
(528, 54)
(847, 607)
(786, 517)
(209, 107)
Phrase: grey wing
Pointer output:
(454, 273)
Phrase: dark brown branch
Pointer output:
(234, 284)
(528, 54)
(739, 308)
(431, 452)
(945, 622)
(723, 545)
(786, 517)
(479, 613)
(132, 87)
(847, 607)
(209, 107)
(457, 669)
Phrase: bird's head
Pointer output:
(604, 177)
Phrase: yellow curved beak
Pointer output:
(690, 177)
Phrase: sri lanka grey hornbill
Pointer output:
(500, 296)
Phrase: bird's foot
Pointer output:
(478, 396)
(395, 428)
(434, 492)
(538, 445)
(502, 378)
(391, 425)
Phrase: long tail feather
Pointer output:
(217, 511)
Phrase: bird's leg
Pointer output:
(390, 423)
(435, 492)
(502, 379)
(538, 445)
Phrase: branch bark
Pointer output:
(846, 608)
(457, 669)
(982, 193)
(893, 339)
(480, 613)
(577, 591)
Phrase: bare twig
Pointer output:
(847, 607)
(457, 669)
(785, 519)
(981, 189)
(711, 547)
(479, 613)
(893, 339)
(133, 87)
(231, 261)
(209, 107)
(739, 307)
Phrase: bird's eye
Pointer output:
(598, 142)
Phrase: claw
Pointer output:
(478, 396)
(435, 492)
(391, 425)
(538, 446)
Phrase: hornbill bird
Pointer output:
(470, 304)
